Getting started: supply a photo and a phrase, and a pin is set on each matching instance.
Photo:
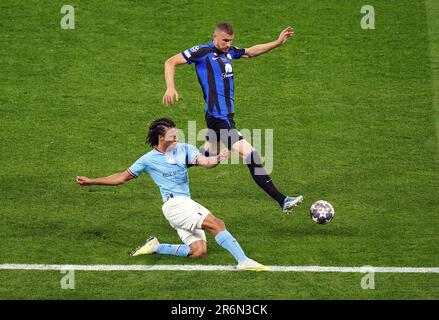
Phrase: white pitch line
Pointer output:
(177, 267)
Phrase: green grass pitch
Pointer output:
(354, 114)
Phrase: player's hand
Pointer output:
(285, 35)
(168, 98)
(83, 181)
(224, 155)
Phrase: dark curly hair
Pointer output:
(157, 128)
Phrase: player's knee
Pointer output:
(199, 252)
(220, 225)
(243, 148)
(213, 224)
(217, 225)
(198, 249)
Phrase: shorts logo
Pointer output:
(195, 48)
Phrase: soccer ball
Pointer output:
(322, 212)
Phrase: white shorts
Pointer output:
(186, 216)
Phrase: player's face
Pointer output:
(223, 41)
(170, 138)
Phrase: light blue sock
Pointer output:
(180, 250)
(226, 240)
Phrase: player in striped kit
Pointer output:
(214, 69)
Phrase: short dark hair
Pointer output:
(225, 27)
(157, 128)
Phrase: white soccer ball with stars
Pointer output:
(322, 212)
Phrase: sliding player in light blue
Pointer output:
(167, 165)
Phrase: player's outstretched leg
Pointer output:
(262, 179)
(152, 245)
(197, 249)
(223, 237)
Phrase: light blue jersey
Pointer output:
(168, 170)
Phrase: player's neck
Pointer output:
(164, 148)
(218, 50)
(160, 149)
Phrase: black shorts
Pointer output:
(219, 130)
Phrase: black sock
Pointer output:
(261, 177)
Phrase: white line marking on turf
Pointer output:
(177, 267)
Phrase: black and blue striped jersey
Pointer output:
(215, 75)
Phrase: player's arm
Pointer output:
(259, 49)
(170, 65)
(113, 180)
(212, 162)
